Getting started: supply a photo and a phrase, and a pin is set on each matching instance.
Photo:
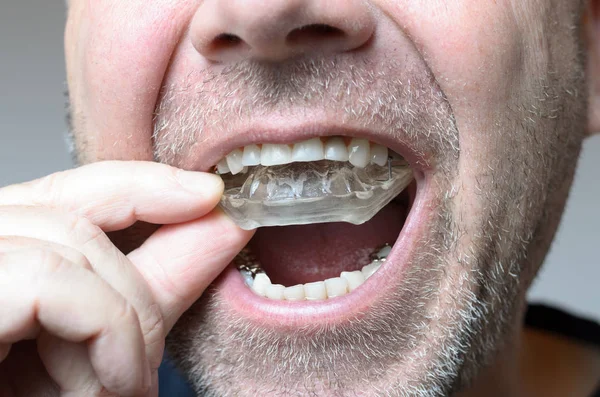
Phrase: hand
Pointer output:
(77, 316)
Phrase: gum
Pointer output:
(312, 192)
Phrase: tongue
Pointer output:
(301, 254)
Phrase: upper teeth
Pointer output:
(359, 152)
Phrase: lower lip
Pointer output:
(234, 292)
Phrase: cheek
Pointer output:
(481, 69)
(118, 52)
(475, 50)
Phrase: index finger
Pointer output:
(115, 194)
(178, 262)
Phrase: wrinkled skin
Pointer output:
(505, 91)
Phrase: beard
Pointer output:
(461, 297)
(463, 291)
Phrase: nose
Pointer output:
(275, 30)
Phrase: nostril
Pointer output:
(225, 31)
(226, 41)
(308, 34)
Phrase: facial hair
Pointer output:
(450, 314)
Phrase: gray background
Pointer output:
(32, 144)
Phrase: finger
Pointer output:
(114, 195)
(41, 288)
(104, 258)
(180, 261)
(68, 364)
(18, 243)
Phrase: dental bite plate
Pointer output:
(312, 192)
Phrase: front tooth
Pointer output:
(275, 291)
(336, 286)
(251, 156)
(261, 282)
(234, 161)
(222, 167)
(274, 154)
(354, 279)
(359, 152)
(295, 293)
(335, 149)
(379, 154)
(315, 291)
(310, 150)
(371, 268)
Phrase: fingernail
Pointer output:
(200, 182)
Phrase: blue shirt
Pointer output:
(171, 382)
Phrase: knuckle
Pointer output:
(125, 314)
(48, 190)
(77, 258)
(84, 231)
(49, 261)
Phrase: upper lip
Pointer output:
(220, 144)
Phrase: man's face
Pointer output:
(486, 100)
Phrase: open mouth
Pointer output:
(335, 209)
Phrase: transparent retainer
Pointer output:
(312, 192)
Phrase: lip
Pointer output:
(337, 311)
(285, 131)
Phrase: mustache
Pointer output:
(400, 98)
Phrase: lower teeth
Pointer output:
(347, 282)
(312, 192)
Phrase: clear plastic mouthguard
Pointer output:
(312, 192)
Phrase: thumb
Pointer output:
(180, 261)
